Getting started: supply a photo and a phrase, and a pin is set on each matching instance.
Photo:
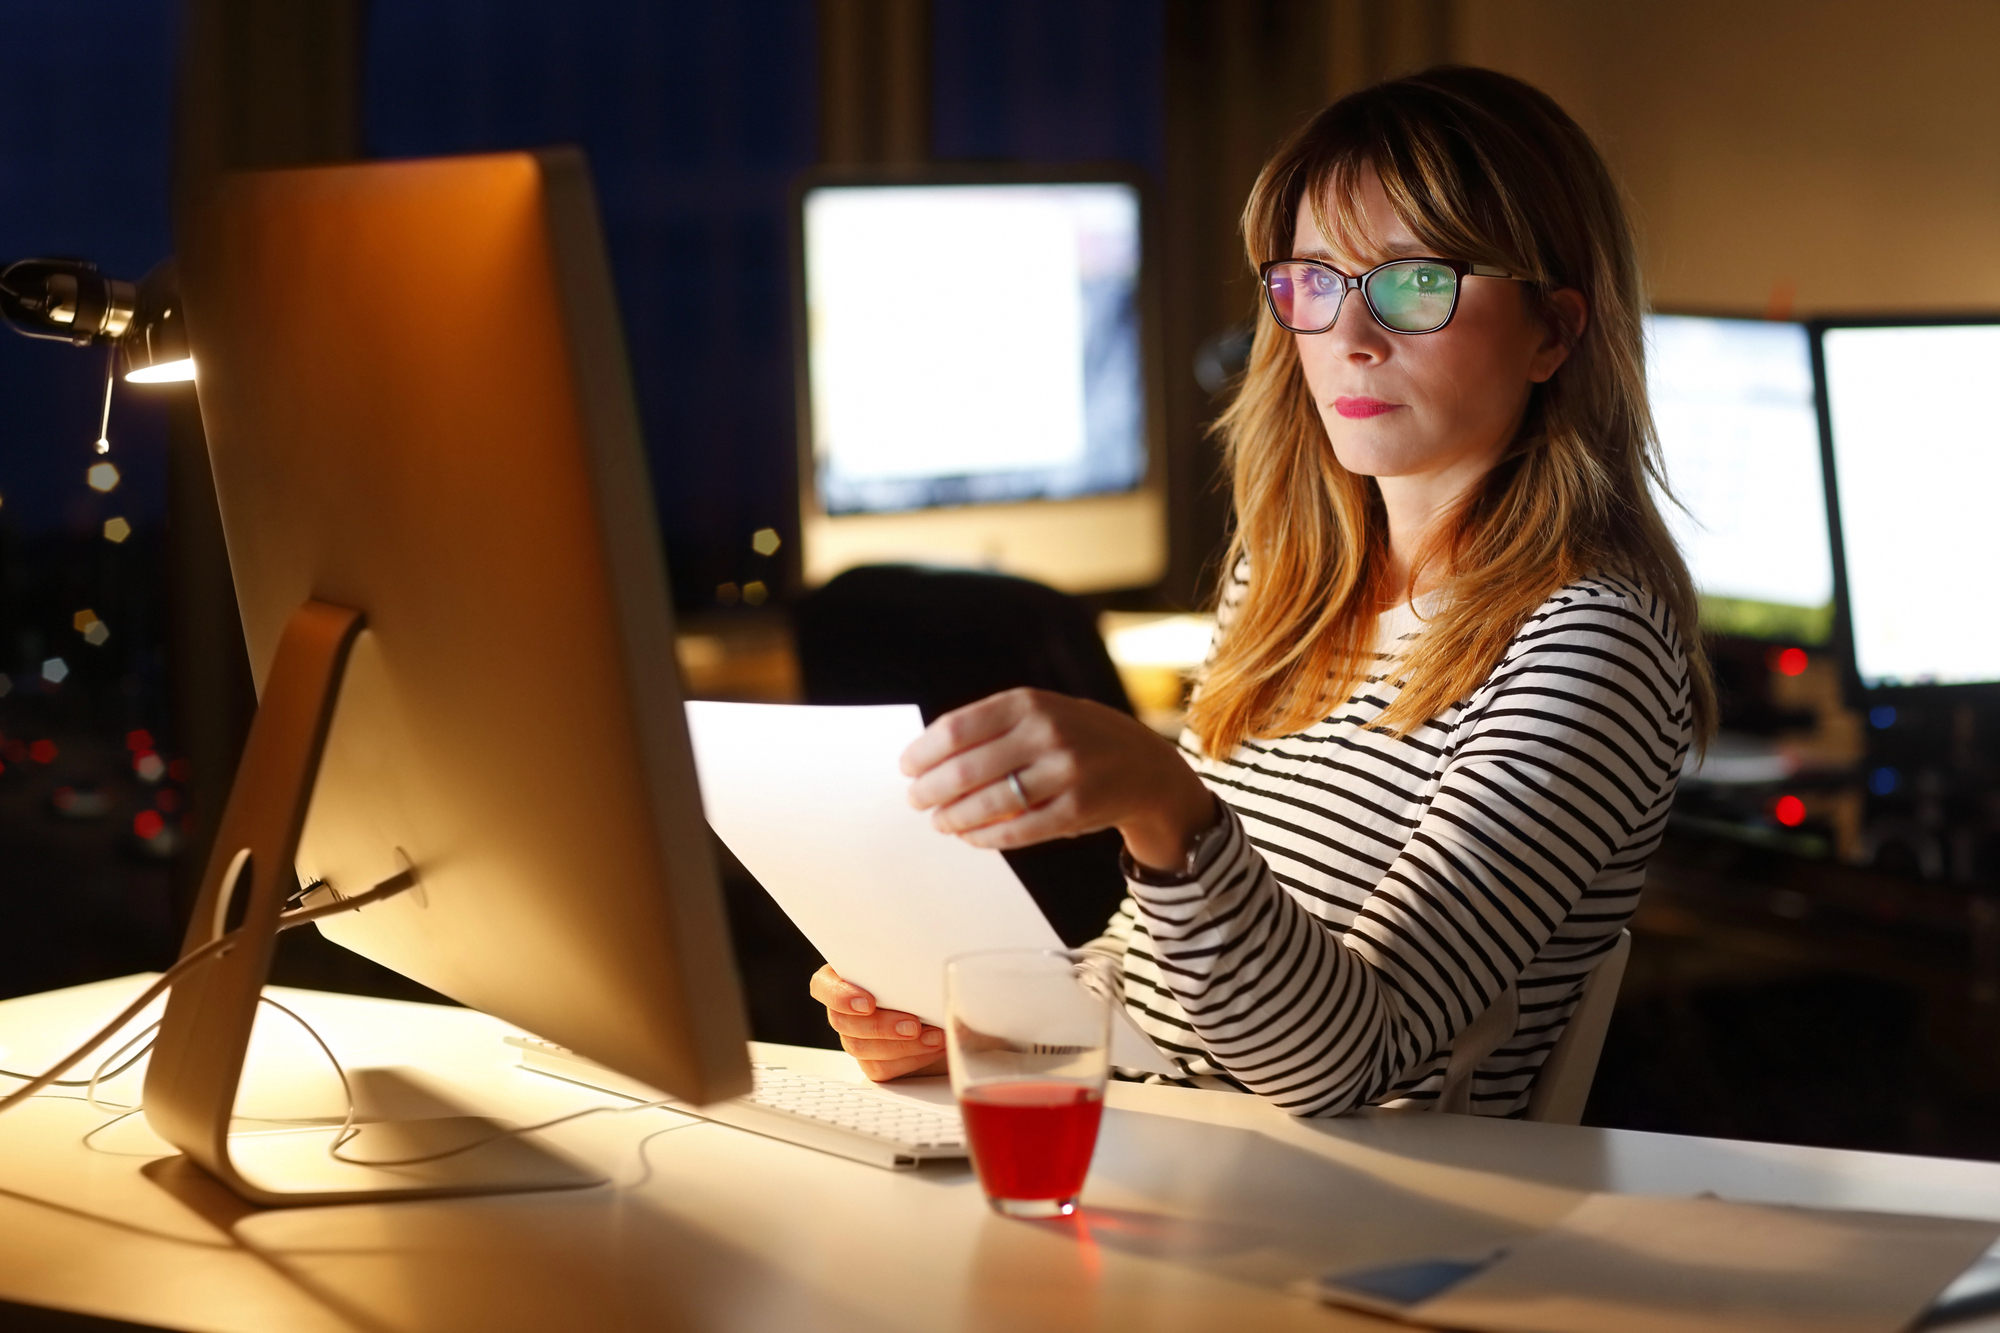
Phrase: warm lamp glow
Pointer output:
(167, 372)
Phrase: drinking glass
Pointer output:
(1029, 1034)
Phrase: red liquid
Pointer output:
(1031, 1140)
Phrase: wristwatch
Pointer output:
(1200, 851)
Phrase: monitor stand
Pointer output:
(197, 1061)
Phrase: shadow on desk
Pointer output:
(34, 1319)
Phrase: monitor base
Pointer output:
(197, 1061)
(295, 1168)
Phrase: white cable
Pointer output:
(101, 1076)
(206, 953)
(123, 1115)
(348, 1129)
(98, 1075)
(214, 949)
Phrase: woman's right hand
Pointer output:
(887, 1043)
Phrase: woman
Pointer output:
(1455, 673)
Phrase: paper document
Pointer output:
(812, 802)
(1643, 1264)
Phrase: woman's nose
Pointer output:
(1355, 334)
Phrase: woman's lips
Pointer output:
(1353, 408)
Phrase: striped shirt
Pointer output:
(1370, 895)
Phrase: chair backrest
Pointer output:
(942, 638)
(1563, 1085)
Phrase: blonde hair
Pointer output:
(1484, 168)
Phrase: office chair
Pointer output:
(1563, 1086)
(943, 638)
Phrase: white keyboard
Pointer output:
(849, 1119)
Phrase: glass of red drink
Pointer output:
(1029, 1034)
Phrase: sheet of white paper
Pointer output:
(1643, 1264)
(812, 802)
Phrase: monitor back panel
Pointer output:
(417, 404)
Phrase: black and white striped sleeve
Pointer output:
(1565, 756)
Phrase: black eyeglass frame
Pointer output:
(1460, 268)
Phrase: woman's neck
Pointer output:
(1412, 509)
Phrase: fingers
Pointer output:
(998, 799)
(963, 728)
(930, 1045)
(839, 996)
(881, 1071)
(886, 1025)
(1042, 824)
(888, 1037)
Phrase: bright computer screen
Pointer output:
(1916, 459)
(973, 343)
(1733, 401)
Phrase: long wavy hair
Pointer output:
(1484, 168)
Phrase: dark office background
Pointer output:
(1771, 996)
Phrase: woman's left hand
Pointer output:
(1079, 767)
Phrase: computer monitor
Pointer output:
(418, 408)
(1914, 448)
(1739, 432)
(976, 381)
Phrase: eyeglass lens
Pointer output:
(1409, 296)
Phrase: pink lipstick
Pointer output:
(1355, 408)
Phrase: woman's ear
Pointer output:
(1569, 316)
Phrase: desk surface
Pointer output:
(1201, 1208)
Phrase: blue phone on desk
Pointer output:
(1393, 1289)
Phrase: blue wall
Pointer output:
(695, 117)
(1049, 81)
(85, 133)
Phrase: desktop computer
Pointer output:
(434, 491)
(1914, 447)
(977, 382)
(1734, 405)
(1913, 450)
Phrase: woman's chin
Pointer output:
(1381, 457)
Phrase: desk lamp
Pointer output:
(70, 300)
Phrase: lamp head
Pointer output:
(66, 300)
(155, 350)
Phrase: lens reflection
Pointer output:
(1414, 296)
(1305, 297)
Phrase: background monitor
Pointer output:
(417, 402)
(1915, 447)
(976, 384)
(1739, 431)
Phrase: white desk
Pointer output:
(1201, 1207)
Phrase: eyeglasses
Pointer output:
(1404, 295)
